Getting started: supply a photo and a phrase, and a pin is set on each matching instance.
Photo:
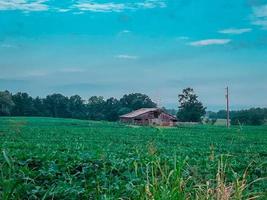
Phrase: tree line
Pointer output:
(97, 108)
(252, 116)
(58, 105)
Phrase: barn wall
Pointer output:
(126, 120)
(166, 120)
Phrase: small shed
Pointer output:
(149, 116)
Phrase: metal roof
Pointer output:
(139, 112)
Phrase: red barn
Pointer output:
(149, 116)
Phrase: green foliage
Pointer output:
(6, 103)
(253, 116)
(49, 158)
(248, 117)
(135, 101)
(40, 108)
(96, 108)
(76, 107)
(190, 109)
(222, 114)
(23, 104)
(111, 109)
(58, 105)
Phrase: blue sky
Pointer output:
(157, 47)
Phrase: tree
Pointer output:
(253, 116)
(111, 109)
(23, 104)
(39, 107)
(77, 107)
(6, 103)
(190, 109)
(57, 105)
(136, 101)
(95, 108)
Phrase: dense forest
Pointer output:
(58, 105)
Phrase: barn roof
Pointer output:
(139, 112)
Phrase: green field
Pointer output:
(44, 158)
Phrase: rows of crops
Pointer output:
(44, 158)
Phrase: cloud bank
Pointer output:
(209, 42)
(117, 7)
(259, 16)
(24, 5)
(80, 5)
(235, 31)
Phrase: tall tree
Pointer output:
(111, 109)
(95, 108)
(6, 103)
(77, 107)
(39, 107)
(190, 109)
(136, 101)
(57, 105)
(23, 104)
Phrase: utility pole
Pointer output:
(228, 107)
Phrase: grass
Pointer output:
(45, 158)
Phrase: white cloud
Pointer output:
(125, 56)
(78, 13)
(100, 7)
(262, 23)
(81, 5)
(151, 4)
(235, 31)
(87, 5)
(260, 11)
(259, 16)
(8, 46)
(24, 5)
(63, 10)
(210, 42)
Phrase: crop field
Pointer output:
(46, 158)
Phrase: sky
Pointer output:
(156, 47)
